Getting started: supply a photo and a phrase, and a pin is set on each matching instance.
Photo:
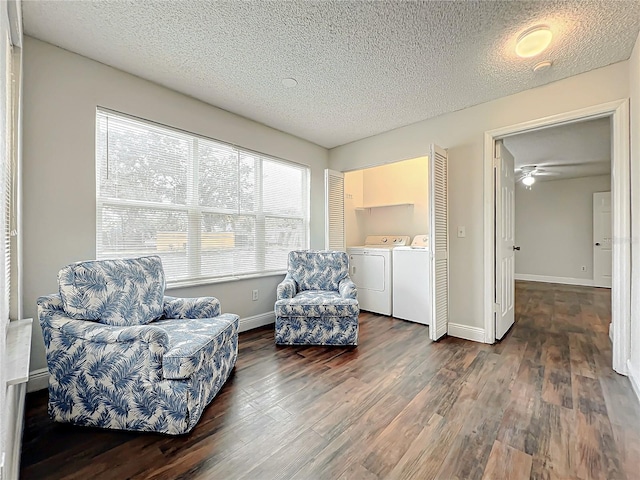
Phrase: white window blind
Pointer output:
(210, 210)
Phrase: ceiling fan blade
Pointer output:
(546, 166)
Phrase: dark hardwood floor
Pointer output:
(543, 404)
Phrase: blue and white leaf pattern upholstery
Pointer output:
(318, 270)
(190, 341)
(201, 307)
(316, 303)
(114, 292)
(156, 377)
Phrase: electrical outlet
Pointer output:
(254, 295)
(583, 268)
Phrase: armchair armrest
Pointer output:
(287, 288)
(200, 307)
(348, 289)
(51, 314)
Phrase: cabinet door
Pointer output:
(439, 231)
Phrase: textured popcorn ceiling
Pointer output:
(362, 67)
(575, 150)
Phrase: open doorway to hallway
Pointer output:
(618, 113)
(563, 203)
(559, 213)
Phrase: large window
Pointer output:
(209, 209)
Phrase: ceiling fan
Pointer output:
(527, 174)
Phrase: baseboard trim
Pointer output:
(475, 334)
(585, 282)
(256, 321)
(634, 378)
(39, 379)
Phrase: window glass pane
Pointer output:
(281, 236)
(283, 188)
(141, 163)
(228, 245)
(218, 176)
(248, 179)
(133, 231)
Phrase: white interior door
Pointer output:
(334, 210)
(505, 240)
(602, 239)
(439, 231)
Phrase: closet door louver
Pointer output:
(334, 208)
(438, 193)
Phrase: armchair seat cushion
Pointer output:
(194, 342)
(317, 303)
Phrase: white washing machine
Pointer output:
(411, 277)
(370, 268)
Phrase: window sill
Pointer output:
(211, 281)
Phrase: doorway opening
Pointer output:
(617, 114)
(435, 263)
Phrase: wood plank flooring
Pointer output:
(542, 404)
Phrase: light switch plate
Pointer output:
(461, 232)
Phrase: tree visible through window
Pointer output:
(209, 209)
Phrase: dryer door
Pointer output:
(367, 270)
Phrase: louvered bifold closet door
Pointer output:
(334, 208)
(440, 242)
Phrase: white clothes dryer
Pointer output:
(370, 268)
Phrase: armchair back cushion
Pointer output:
(314, 270)
(114, 292)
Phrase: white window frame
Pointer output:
(195, 211)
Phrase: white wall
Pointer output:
(462, 133)
(554, 228)
(403, 182)
(61, 93)
(634, 87)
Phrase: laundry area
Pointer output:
(387, 223)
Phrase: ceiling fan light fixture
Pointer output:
(528, 180)
(533, 41)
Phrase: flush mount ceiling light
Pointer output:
(533, 41)
(289, 82)
(528, 180)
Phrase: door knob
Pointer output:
(597, 244)
(516, 248)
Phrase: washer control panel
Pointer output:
(420, 241)
(387, 240)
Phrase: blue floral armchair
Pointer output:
(316, 303)
(123, 355)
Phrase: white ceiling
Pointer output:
(363, 67)
(569, 151)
